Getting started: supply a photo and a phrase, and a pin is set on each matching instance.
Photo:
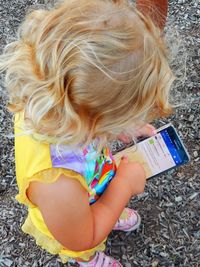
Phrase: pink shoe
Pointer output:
(101, 260)
(129, 221)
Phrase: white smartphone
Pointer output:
(158, 153)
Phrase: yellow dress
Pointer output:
(38, 161)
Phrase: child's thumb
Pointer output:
(124, 158)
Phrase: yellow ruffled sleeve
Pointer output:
(33, 162)
(46, 176)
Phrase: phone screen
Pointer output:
(159, 153)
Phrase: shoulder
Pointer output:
(63, 189)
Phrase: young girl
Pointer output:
(79, 76)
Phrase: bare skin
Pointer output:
(145, 131)
(67, 214)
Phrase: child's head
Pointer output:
(87, 69)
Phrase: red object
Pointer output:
(156, 9)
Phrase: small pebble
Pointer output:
(178, 199)
(195, 154)
(193, 196)
(191, 118)
(164, 254)
(155, 263)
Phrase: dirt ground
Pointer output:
(170, 207)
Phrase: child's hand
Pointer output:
(146, 131)
(133, 173)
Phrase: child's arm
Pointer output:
(68, 215)
(156, 9)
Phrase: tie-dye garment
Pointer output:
(98, 170)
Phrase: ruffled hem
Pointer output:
(54, 247)
(47, 176)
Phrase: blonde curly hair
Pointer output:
(87, 69)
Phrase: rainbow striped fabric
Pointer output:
(97, 169)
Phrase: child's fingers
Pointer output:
(147, 130)
(124, 158)
(124, 138)
(151, 127)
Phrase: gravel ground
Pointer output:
(170, 230)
